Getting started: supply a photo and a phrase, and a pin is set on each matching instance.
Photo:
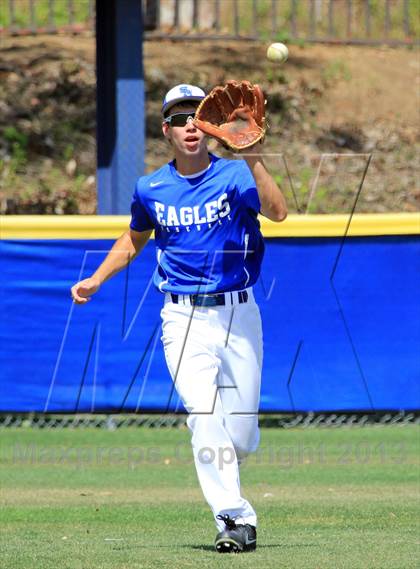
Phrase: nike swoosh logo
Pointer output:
(153, 184)
(249, 541)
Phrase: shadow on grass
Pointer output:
(208, 547)
(201, 547)
(260, 546)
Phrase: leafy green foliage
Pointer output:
(42, 12)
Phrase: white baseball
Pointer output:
(277, 52)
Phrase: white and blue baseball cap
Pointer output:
(180, 93)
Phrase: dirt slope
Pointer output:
(342, 103)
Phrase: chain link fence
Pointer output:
(389, 22)
(113, 422)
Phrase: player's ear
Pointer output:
(166, 131)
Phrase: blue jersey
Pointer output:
(207, 233)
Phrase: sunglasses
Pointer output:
(179, 119)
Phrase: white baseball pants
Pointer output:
(214, 355)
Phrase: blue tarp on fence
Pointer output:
(338, 336)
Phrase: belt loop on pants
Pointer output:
(217, 299)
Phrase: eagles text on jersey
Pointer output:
(207, 233)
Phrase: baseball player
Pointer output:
(203, 210)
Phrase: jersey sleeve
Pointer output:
(140, 218)
(248, 188)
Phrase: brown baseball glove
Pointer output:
(234, 114)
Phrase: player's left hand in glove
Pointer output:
(233, 114)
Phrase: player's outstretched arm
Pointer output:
(122, 253)
(273, 204)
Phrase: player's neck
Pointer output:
(187, 165)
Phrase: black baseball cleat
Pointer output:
(235, 537)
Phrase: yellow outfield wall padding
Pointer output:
(339, 225)
(112, 226)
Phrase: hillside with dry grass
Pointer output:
(329, 108)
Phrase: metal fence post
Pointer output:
(330, 18)
(195, 14)
(254, 18)
(70, 7)
(32, 16)
(176, 14)
(152, 15)
(51, 26)
(235, 18)
(349, 17)
(367, 18)
(120, 102)
(387, 18)
(217, 15)
(312, 23)
(293, 18)
(12, 12)
(90, 10)
(273, 17)
(406, 19)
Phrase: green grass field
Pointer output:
(127, 499)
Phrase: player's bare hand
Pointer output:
(83, 290)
